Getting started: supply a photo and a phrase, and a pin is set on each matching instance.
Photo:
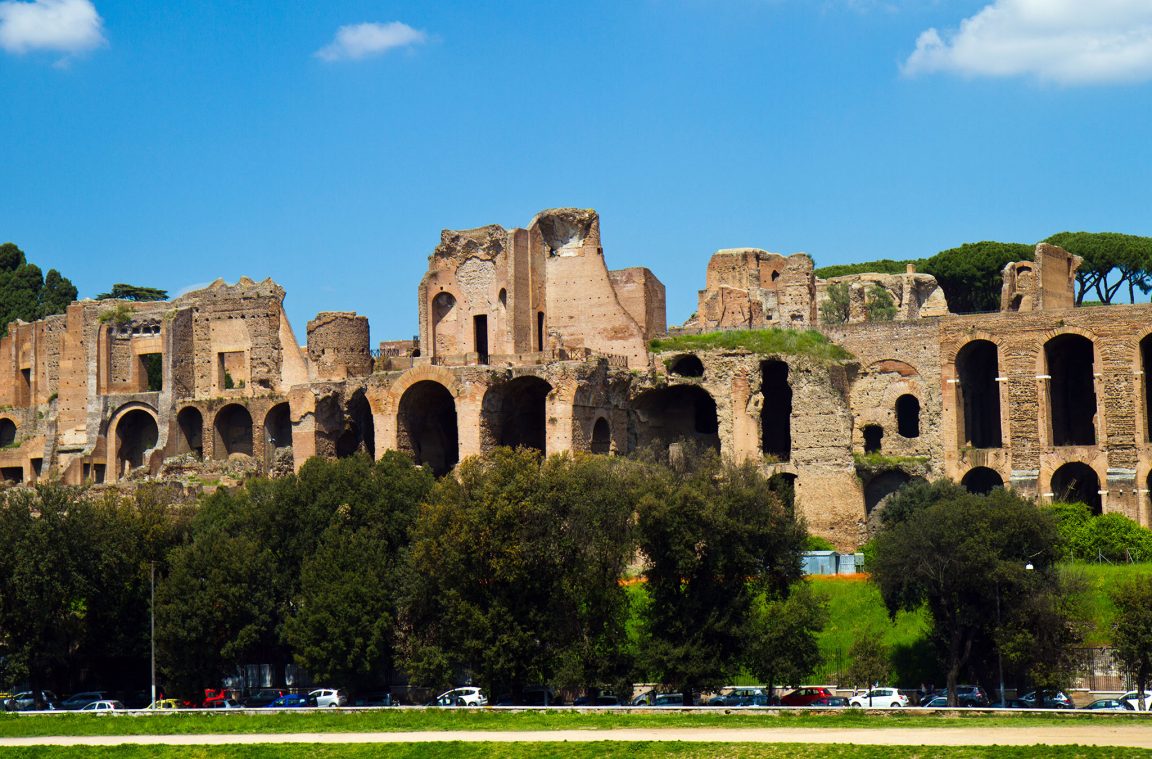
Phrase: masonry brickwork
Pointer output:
(526, 338)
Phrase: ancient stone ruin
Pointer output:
(528, 339)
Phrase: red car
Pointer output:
(805, 696)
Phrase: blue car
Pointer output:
(292, 701)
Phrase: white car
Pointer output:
(462, 697)
(103, 706)
(329, 697)
(887, 698)
(1132, 699)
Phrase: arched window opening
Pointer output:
(233, 431)
(136, 434)
(515, 414)
(278, 434)
(978, 395)
(7, 433)
(982, 480)
(908, 416)
(873, 438)
(881, 486)
(784, 485)
(191, 427)
(444, 316)
(426, 426)
(687, 366)
(1077, 483)
(1071, 390)
(776, 413)
(359, 429)
(1146, 366)
(672, 414)
(601, 436)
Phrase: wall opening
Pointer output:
(150, 370)
(1071, 390)
(231, 370)
(25, 393)
(978, 395)
(444, 325)
(480, 337)
(1077, 483)
(7, 433)
(873, 438)
(776, 413)
(191, 438)
(601, 436)
(686, 366)
(982, 480)
(540, 331)
(13, 474)
(37, 469)
(136, 434)
(881, 486)
(1146, 366)
(359, 428)
(515, 414)
(426, 426)
(680, 412)
(278, 433)
(233, 431)
(908, 416)
(98, 474)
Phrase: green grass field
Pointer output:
(641, 750)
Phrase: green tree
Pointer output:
(879, 306)
(121, 291)
(1132, 630)
(25, 294)
(783, 645)
(713, 536)
(837, 308)
(870, 661)
(57, 295)
(970, 275)
(964, 556)
(881, 266)
(1111, 262)
(1043, 630)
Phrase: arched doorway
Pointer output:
(359, 428)
(908, 416)
(190, 423)
(1071, 390)
(687, 365)
(878, 489)
(601, 436)
(776, 413)
(277, 433)
(426, 426)
(7, 432)
(982, 480)
(978, 395)
(515, 414)
(680, 412)
(233, 431)
(136, 434)
(1077, 483)
(873, 438)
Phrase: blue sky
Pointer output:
(326, 144)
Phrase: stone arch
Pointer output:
(679, 412)
(514, 414)
(686, 365)
(776, 412)
(233, 431)
(359, 427)
(873, 438)
(978, 394)
(133, 432)
(982, 480)
(880, 486)
(190, 426)
(1069, 360)
(908, 416)
(1077, 482)
(7, 432)
(426, 426)
(601, 436)
(278, 433)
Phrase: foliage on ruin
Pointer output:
(137, 293)
(874, 463)
(882, 266)
(837, 307)
(792, 342)
(118, 315)
(1102, 537)
(1112, 262)
(27, 294)
(971, 275)
(879, 306)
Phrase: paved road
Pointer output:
(1126, 735)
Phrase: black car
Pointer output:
(601, 700)
(966, 695)
(830, 701)
(372, 698)
(263, 697)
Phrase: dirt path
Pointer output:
(1128, 735)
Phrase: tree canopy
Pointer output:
(1112, 262)
(1132, 630)
(971, 275)
(121, 291)
(25, 293)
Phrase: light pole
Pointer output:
(152, 621)
(999, 655)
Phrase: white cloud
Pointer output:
(62, 26)
(358, 41)
(1064, 41)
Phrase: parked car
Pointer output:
(224, 703)
(805, 696)
(936, 702)
(82, 699)
(329, 697)
(292, 701)
(1132, 699)
(212, 695)
(887, 698)
(163, 703)
(830, 701)
(263, 697)
(373, 698)
(966, 695)
(1109, 705)
(669, 699)
(604, 699)
(469, 696)
(1046, 700)
(103, 706)
(27, 701)
(740, 697)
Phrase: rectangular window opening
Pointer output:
(232, 370)
(480, 336)
(151, 372)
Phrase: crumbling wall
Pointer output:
(914, 295)
(338, 346)
(642, 296)
(1046, 283)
